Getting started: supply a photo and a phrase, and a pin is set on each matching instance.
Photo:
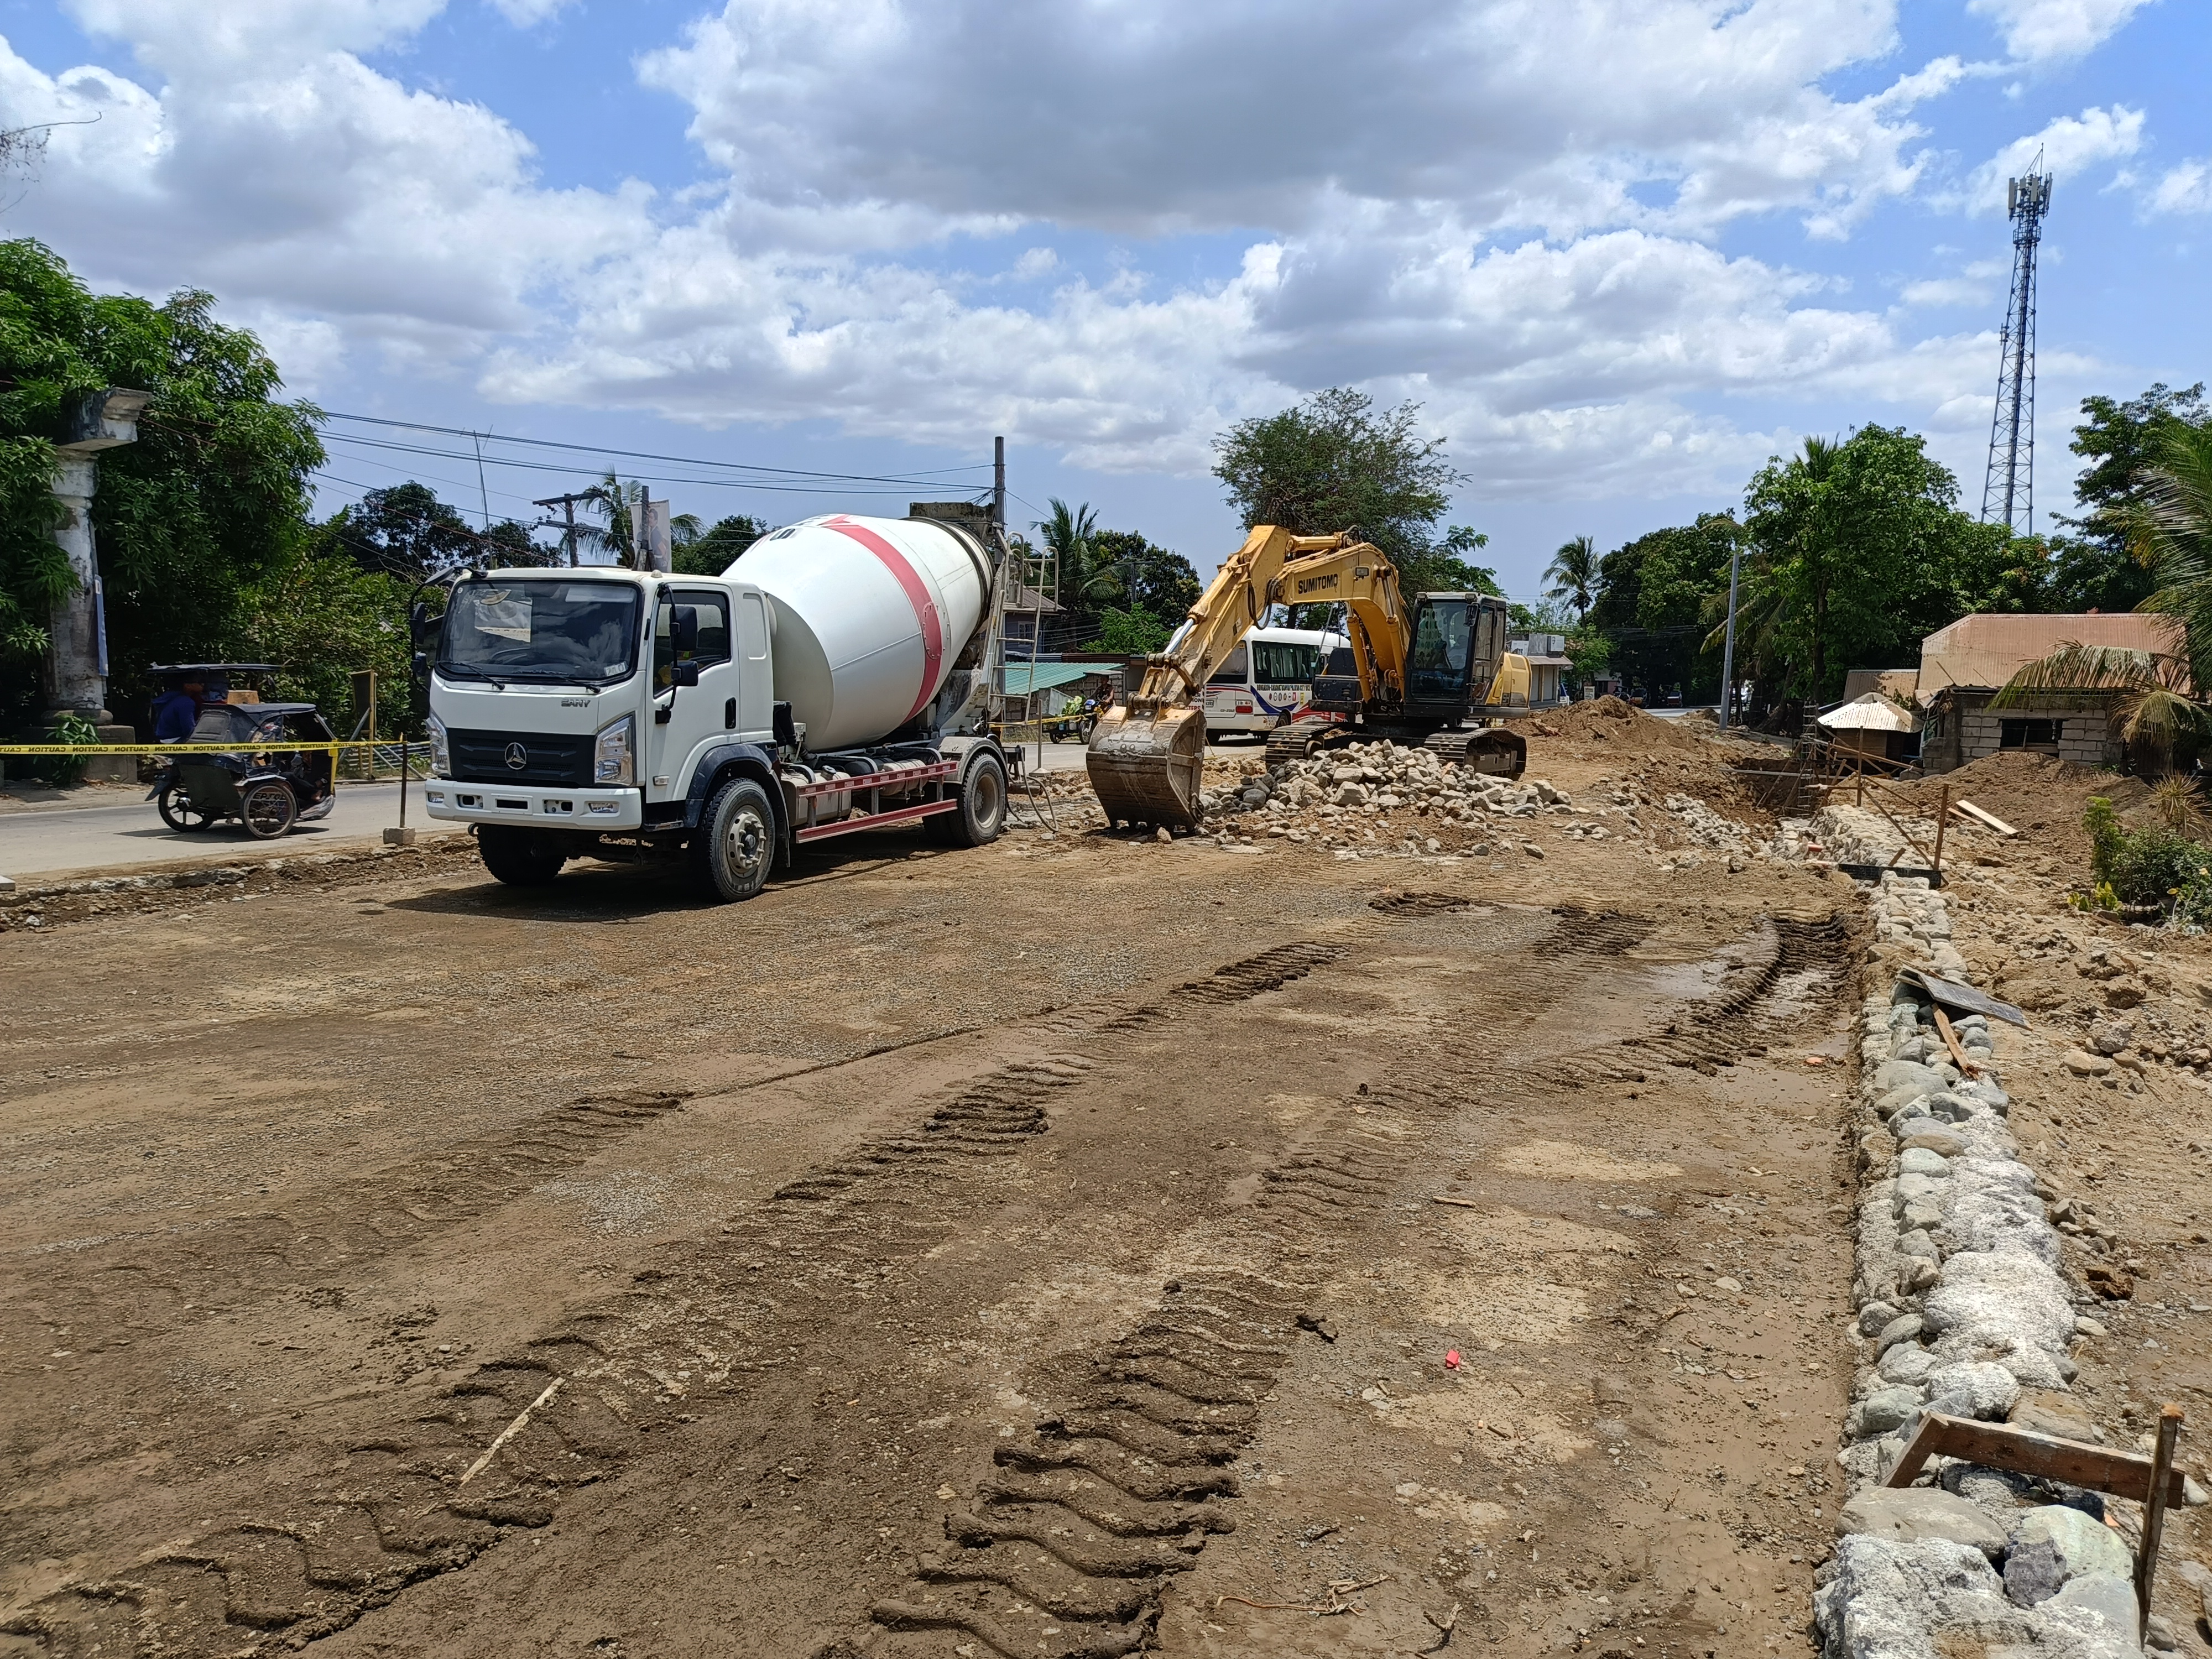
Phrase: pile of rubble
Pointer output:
(1380, 793)
(1964, 1313)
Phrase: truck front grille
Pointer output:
(490, 757)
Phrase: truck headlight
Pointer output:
(441, 759)
(614, 759)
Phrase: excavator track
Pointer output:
(1494, 751)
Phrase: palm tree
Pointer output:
(1084, 579)
(1573, 573)
(2162, 694)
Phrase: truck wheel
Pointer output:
(735, 842)
(982, 811)
(520, 858)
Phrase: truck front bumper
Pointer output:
(534, 806)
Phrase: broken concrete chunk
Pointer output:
(1887, 1597)
(1916, 1513)
(2086, 1065)
(2110, 1595)
(1883, 1410)
(1902, 1329)
(2053, 1544)
(1976, 1389)
(2048, 1412)
(1944, 1142)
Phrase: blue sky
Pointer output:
(1620, 250)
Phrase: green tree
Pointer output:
(1653, 599)
(211, 500)
(2102, 565)
(1152, 578)
(1334, 463)
(709, 550)
(1131, 632)
(1573, 573)
(1861, 551)
(1083, 580)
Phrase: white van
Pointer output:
(1266, 680)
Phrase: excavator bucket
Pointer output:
(1498, 752)
(1146, 768)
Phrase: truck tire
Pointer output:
(518, 857)
(734, 847)
(982, 811)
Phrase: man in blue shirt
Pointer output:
(177, 711)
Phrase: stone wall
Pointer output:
(1970, 728)
(1961, 1310)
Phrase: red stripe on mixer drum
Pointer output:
(925, 609)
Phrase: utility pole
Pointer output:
(1727, 647)
(568, 506)
(998, 484)
(484, 495)
(2008, 491)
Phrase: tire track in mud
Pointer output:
(1796, 962)
(1125, 1476)
(691, 1330)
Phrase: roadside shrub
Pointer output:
(2158, 866)
(65, 771)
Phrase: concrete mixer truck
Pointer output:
(837, 677)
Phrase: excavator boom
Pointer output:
(1148, 754)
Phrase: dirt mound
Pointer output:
(2042, 797)
(1609, 721)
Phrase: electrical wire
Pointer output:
(921, 478)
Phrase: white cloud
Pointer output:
(2036, 30)
(528, 14)
(2069, 146)
(1503, 208)
(1156, 117)
(2186, 188)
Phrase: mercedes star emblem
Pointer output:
(517, 756)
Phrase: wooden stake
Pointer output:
(2169, 1431)
(1942, 822)
(508, 1433)
(1972, 1068)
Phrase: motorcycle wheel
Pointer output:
(178, 812)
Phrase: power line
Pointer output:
(863, 484)
(923, 478)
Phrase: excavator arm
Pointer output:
(1148, 753)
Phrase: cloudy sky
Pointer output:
(1620, 250)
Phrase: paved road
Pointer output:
(120, 834)
(124, 833)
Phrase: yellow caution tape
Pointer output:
(182, 748)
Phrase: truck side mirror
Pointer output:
(684, 673)
(422, 666)
(683, 629)
(422, 628)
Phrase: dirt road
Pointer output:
(1053, 1248)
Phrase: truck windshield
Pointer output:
(574, 632)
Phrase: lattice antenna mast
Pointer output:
(2009, 493)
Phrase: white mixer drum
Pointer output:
(868, 615)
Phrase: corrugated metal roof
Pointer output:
(1981, 652)
(1023, 678)
(1871, 712)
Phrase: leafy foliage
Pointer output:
(711, 550)
(2158, 865)
(1860, 550)
(1131, 632)
(210, 498)
(2106, 564)
(1657, 597)
(1334, 463)
(406, 531)
(1573, 573)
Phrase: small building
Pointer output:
(1548, 667)
(1021, 618)
(1872, 724)
(1963, 667)
(1041, 690)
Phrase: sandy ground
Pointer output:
(1047, 1248)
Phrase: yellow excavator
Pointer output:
(1435, 674)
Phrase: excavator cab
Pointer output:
(1443, 651)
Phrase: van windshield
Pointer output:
(575, 632)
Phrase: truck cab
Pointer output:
(586, 711)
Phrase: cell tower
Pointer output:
(2008, 495)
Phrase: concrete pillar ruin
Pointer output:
(76, 656)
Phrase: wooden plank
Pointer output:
(1972, 1068)
(1988, 819)
(2000, 1446)
(2169, 1432)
